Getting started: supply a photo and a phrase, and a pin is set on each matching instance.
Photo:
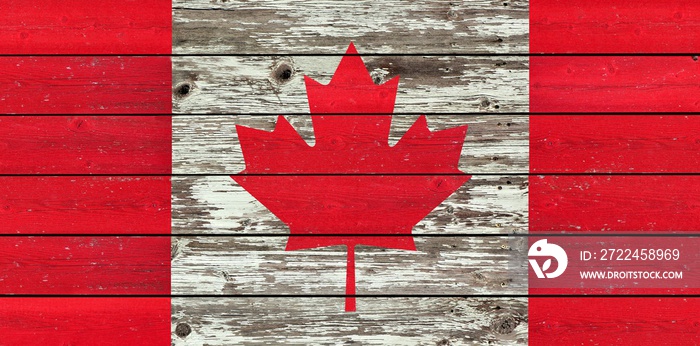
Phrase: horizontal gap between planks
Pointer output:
(360, 54)
(344, 296)
(532, 233)
(353, 114)
(497, 174)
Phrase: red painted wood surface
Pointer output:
(619, 144)
(111, 145)
(85, 144)
(592, 84)
(84, 321)
(84, 205)
(614, 26)
(86, 27)
(627, 203)
(86, 85)
(614, 321)
(84, 265)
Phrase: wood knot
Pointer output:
(443, 342)
(282, 72)
(183, 89)
(79, 125)
(183, 330)
(487, 104)
(379, 76)
(504, 324)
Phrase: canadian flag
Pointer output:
(86, 164)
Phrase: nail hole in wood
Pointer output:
(183, 330)
(496, 106)
(695, 57)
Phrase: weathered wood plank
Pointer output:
(388, 26)
(620, 144)
(614, 26)
(83, 204)
(209, 144)
(602, 321)
(216, 204)
(614, 84)
(85, 321)
(259, 84)
(79, 85)
(86, 27)
(321, 321)
(85, 144)
(260, 265)
(84, 265)
(618, 203)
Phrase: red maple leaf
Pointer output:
(351, 188)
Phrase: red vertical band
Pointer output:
(73, 146)
(584, 143)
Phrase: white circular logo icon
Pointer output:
(543, 249)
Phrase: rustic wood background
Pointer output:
(118, 129)
(257, 76)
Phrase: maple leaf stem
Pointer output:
(350, 304)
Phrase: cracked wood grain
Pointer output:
(209, 144)
(321, 321)
(459, 265)
(216, 204)
(275, 85)
(387, 26)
